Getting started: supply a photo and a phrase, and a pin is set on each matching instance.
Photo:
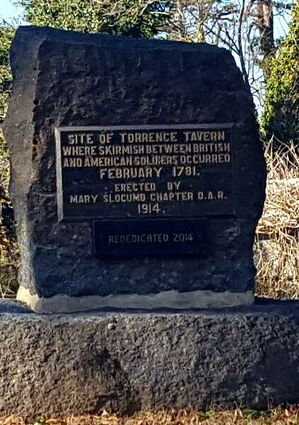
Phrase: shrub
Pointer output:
(9, 254)
(281, 113)
(277, 235)
(136, 18)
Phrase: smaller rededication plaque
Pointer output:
(153, 237)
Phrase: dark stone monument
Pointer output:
(137, 180)
(137, 173)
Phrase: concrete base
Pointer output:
(165, 300)
(74, 364)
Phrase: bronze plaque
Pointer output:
(144, 171)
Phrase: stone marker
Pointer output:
(72, 364)
(137, 173)
(137, 181)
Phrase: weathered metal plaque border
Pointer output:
(59, 130)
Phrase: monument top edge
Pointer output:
(69, 36)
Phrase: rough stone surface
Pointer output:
(11, 306)
(66, 364)
(72, 79)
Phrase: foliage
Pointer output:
(4, 168)
(9, 264)
(6, 36)
(245, 27)
(136, 18)
(281, 113)
(9, 255)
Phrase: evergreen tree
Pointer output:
(281, 113)
(136, 18)
(6, 36)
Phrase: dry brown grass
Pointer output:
(9, 252)
(287, 416)
(277, 240)
(9, 264)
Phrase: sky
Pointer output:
(8, 10)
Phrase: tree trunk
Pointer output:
(266, 29)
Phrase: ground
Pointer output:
(282, 416)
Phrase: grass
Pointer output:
(277, 234)
(9, 252)
(9, 264)
(279, 416)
